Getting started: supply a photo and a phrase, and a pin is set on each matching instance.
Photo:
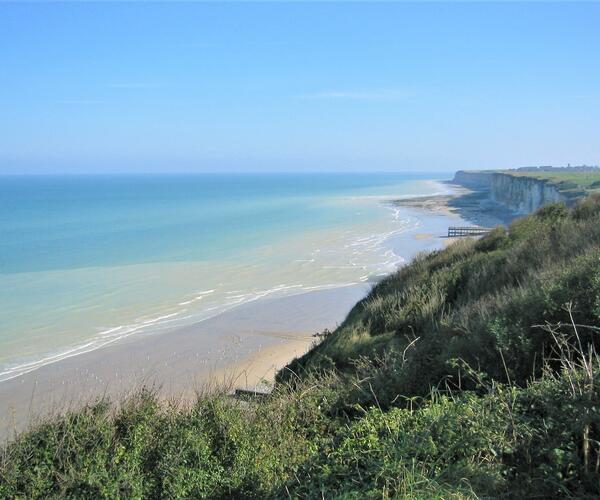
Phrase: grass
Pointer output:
(470, 373)
(477, 301)
(589, 179)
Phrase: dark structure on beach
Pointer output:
(455, 231)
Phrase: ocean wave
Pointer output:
(102, 339)
(111, 335)
(196, 298)
(368, 254)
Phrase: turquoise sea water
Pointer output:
(90, 260)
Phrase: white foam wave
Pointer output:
(197, 297)
(103, 339)
(368, 255)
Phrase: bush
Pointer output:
(478, 301)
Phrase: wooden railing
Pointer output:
(456, 231)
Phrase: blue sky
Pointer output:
(113, 87)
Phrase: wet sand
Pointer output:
(240, 347)
(475, 207)
(462, 206)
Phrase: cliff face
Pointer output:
(523, 194)
(518, 193)
(474, 179)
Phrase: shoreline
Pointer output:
(180, 293)
(474, 206)
(79, 350)
(247, 344)
(239, 348)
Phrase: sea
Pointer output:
(90, 260)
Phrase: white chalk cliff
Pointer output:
(520, 194)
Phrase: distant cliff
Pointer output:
(520, 194)
(473, 179)
(523, 194)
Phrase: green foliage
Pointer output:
(588, 209)
(479, 301)
(563, 179)
(510, 442)
(462, 375)
(216, 448)
(507, 441)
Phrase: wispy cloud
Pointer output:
(359, 95)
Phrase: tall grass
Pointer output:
(477, 301)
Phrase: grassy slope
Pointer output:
(478, 301)
(582, 179)
(439, 384)
(572, 184)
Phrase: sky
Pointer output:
(184, 87)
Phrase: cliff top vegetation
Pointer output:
(573, 183)
(563, 178)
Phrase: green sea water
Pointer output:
(86, 261)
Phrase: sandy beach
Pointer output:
(474, 207)
(240, 348)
